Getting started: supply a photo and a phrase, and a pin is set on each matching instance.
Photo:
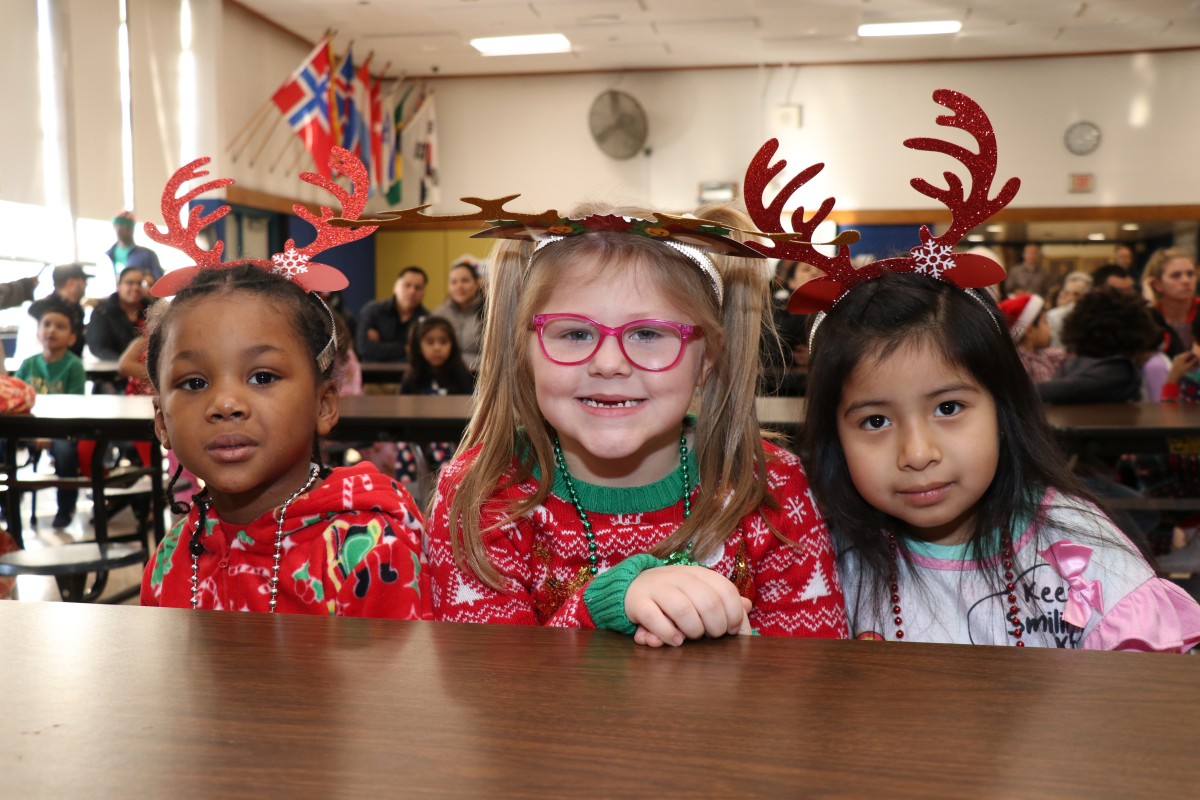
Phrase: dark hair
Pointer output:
(1102, 273)
(467, 265)
(1108, 322)
(128, 270)
(53, 304)
(415, 269)
(874, 321)
(454, 374)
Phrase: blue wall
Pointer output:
(356, 260)
(885, 241)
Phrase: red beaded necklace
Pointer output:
(1006, 554)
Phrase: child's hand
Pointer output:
(1182, 364)
(645, 637)
(679, 602)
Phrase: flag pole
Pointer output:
(266, 140)
(258, 116)
(287, 146)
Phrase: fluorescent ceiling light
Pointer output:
(522, 45)
(1096, 237)
(910, 28)
(975, 237)
(1129, 226)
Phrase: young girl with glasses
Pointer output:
(584, 493)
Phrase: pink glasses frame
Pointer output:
(686, 333)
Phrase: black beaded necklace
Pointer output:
(561, 464)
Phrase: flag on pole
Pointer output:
(362, 108)
(306, 101)
(421, 155)
(347, 112)
(395, 192)
(375, 93)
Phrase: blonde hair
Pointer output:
(1155, 268)
(507, 421)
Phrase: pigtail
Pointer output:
(506, 420)
(731, 462)
(177, 507)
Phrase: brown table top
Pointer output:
(105, 700)
(1103, 419)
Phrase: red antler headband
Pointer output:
(933, 257)
(294, 264)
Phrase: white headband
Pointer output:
(694, 254)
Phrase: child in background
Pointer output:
(955, 514)
(584, 493)
(1109, 334)
(435, 367)
(56, 370)
(242, 362)
(1025, 316)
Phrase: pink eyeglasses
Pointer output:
(653, 345)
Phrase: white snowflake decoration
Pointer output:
(932, 259)
(290, 263)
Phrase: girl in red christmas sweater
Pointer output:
(584, 493)
(242, 365)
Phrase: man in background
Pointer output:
(125, 253)
(70, 284)
(384, 325)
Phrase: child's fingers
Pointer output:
(746, 629)
(657, 624)
(728, 611)
(645, 637)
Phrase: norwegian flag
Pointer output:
(306, 99)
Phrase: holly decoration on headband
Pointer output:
(294, 263)
(933, 257)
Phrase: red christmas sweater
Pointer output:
(351, 547)
(543, 555)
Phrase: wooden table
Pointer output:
(104, 418)
(1111, 429)
(122, 701)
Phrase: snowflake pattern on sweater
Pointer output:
(543, 556)
(351, 547)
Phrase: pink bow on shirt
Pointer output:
(1069, 560)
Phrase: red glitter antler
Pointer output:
(838, 270)
(352, 203)
(968, 210)
(934, 256)
(184, 238)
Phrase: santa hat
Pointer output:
(1020, 313)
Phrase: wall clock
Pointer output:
(1082, 138)
(618, 124)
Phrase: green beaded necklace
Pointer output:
(561, 464)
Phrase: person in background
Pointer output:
(435, 367)
(1028, 277)
(1075, 286)
(1027, 323)
(463, 308)
(119, 318)
(126, 253)
(56, 370)
(1169, 284)
(1112, 277)
(14, 293)
(384, 325)
(1109, 334)
(1123, 257)
(70, 284)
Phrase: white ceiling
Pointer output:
(425, 37)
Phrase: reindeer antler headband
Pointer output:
(933, 257)
(692, 237)
(294, 264)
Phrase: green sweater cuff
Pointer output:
(605, 596)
